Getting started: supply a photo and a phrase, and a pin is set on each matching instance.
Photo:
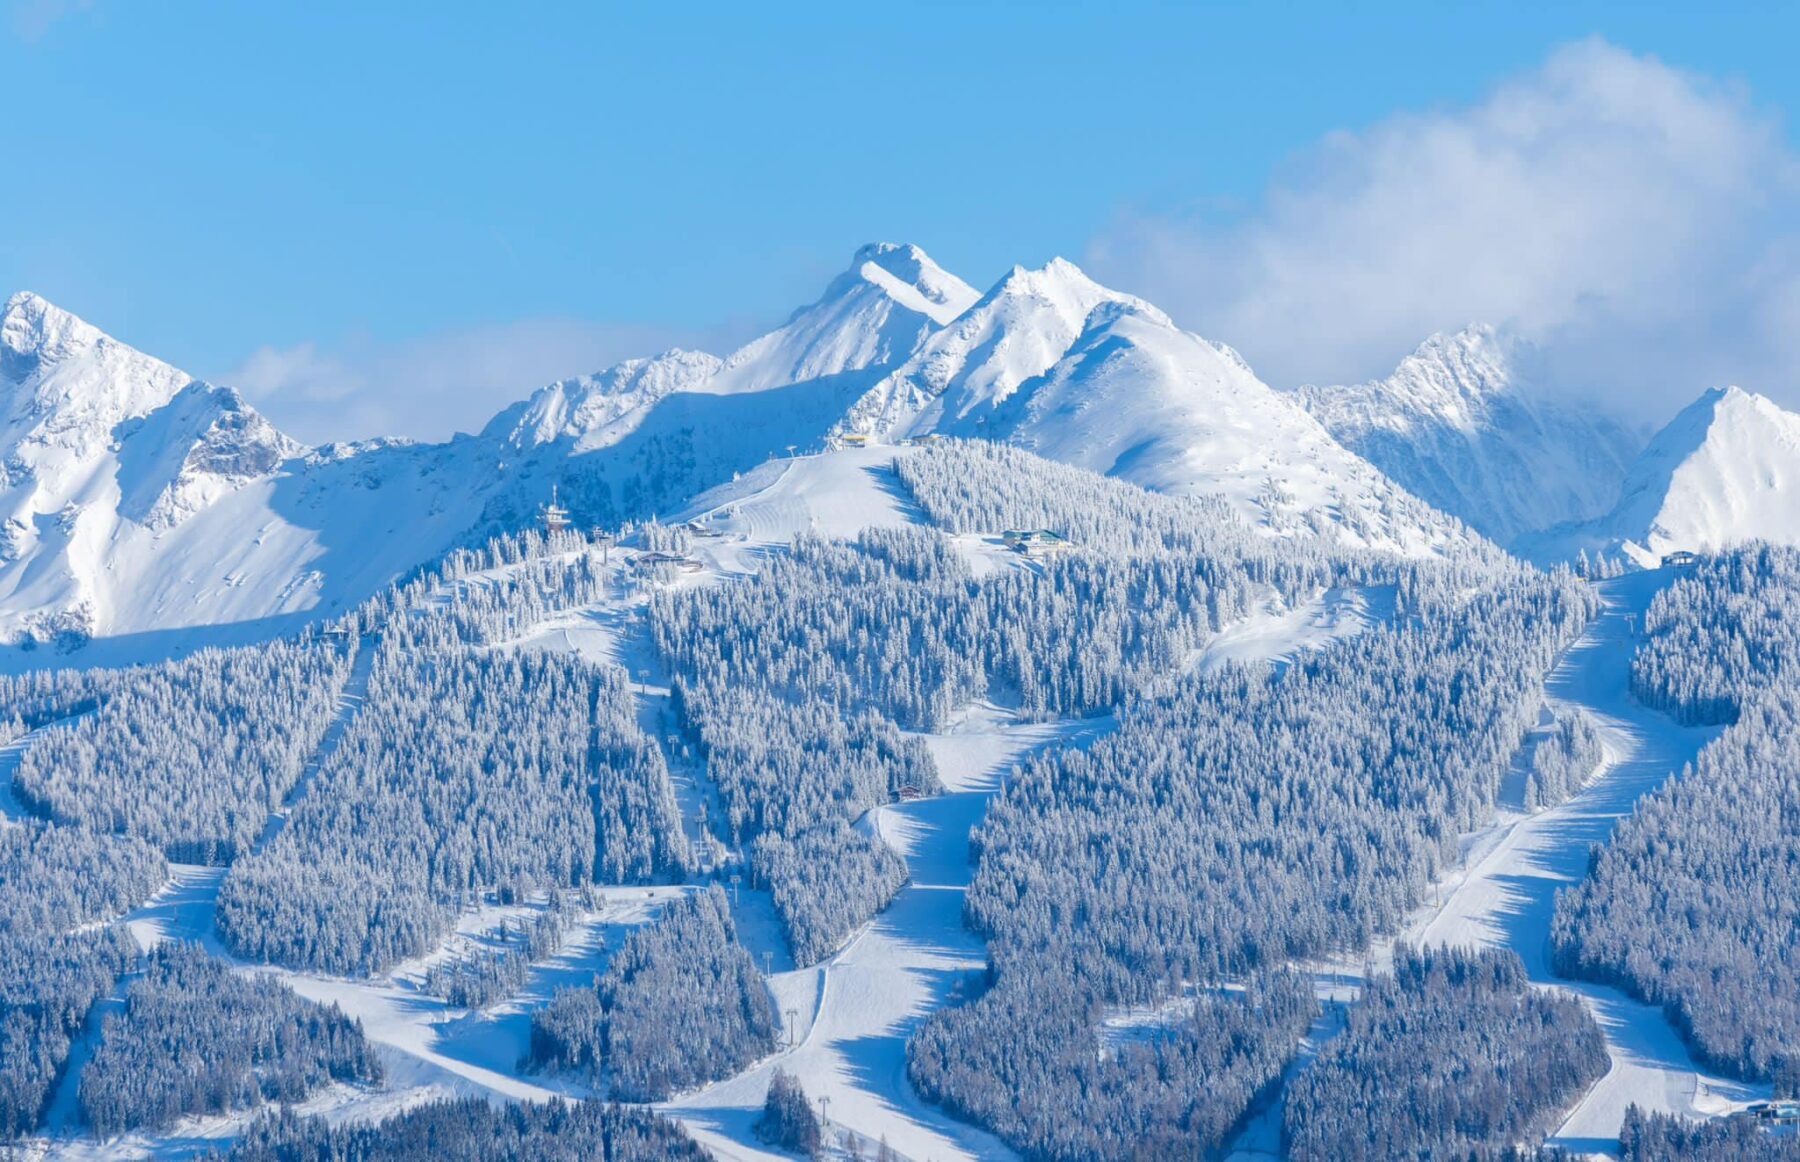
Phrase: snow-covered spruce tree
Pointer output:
(1653, 1137)
(826, 883)
(55, 884)
(196, 1038)
(1694, 904)
(894, 622)
(48, 983)
(681, 1003)
(1730, 626)
(190, 755)
(1238, 819)
(467, 771)
(1561, 762)
(479, 976)
(472, 1130)
(39, 698)
(491, 609)
(1378, 1091)
(788, 1122)
(54, 879)
(792, 682)
(1028, 1060)
(793, 776)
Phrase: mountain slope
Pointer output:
(1460, 425)
(643, 438)
(98, 436)
(1052, 361)
(1724, 471)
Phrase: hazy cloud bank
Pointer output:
(1635, 221)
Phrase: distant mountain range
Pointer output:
(137, 502)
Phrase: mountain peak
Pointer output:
(1057, 274)
(1462, 424)
(1457, 369)
(1069, 291)
(1732, 399)
(875, 314)
(35, 332)
(27, 304)
(70, 382)
(1471, 337)
(906, 274)
(1715, 405)
(900, 259)
(23, 301)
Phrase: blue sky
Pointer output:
(395, 194)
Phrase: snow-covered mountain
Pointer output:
(138, 499)
(100, 440)
(1462, 425)
(1056, 363)
(642, 438)
(140, 502)
(1724, 471)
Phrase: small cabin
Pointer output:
(856, 439)
(928, 439)
(1035, 542)
(697, 528)
(1680, 558)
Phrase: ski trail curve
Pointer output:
(1507, 897)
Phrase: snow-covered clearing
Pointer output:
(1275, 632)
(833, 494)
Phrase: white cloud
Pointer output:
(1632, 219)
(432, 387)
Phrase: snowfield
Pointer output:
(1275, 633)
